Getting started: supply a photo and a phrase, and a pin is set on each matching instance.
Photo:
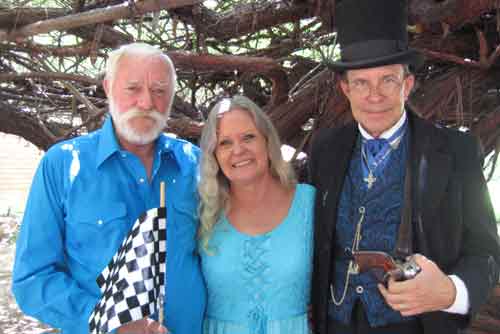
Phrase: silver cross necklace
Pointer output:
(370, 179)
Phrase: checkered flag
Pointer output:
(132, 284)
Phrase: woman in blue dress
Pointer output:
(256, 226)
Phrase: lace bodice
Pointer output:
(261, 284)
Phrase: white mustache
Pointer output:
(123, 127)
(136, 112)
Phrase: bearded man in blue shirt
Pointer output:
(88, 191)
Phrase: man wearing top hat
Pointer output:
(396, 183)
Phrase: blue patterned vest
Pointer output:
(382, 205)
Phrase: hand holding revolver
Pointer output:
(383, 266)
(430, 290)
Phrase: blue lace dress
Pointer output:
(260, 284)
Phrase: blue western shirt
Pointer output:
(85, 197)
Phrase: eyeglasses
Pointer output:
(386, 86)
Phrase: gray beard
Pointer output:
(129, 133)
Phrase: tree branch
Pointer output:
(25, 125)
(259, 65)
(47, 75)
(93, 17)
(449, 58)
(242, 21)
(454, 12)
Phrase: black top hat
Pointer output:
(373, 33)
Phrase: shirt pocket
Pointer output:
(183, 221)
(94, 232)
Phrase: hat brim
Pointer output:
(411, 57)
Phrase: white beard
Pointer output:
(129, 133)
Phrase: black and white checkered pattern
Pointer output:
(132, 281)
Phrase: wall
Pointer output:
(18, 162)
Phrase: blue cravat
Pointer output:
(374, 146)
(376, 152)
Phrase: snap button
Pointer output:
(141, 180)
(360, 289)
(99, 222)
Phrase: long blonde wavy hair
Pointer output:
(214, 186)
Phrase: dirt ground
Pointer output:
(12, 320)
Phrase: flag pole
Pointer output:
(162, 194)
(161, 296)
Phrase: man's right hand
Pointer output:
(142, 326)
(431, 290)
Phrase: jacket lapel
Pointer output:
(335, 171)
(431, 169)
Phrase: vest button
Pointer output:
(359, 289)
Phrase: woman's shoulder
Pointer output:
(303, 205)
(304, 197)
(306, 190)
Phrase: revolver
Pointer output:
(384, 266)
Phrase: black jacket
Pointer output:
(458, 230)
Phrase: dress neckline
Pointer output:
(275, 228)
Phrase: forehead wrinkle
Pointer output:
(156, 84)
(238, 132)
(160, 83)
(378, 79)
(132, 82)
(377, 71)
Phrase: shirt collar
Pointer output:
(182, 151)
(387, 133)
(108, 143)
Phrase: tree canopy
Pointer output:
(52, 53)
